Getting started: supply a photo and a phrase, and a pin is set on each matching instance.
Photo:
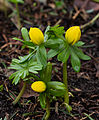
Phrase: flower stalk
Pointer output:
(47, 108)
(66, 96)
(20, 94)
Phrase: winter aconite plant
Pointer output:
(68, 47)
(36, 67)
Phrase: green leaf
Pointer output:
(53, 43)
(25, 58)
(96, 0)
(41, 55)
(46, 73)
(23, 68)
(16, 1)
(16, 79)
(15, 38)
(45, 33)
(55, 51)
(1, 88)
(59, 4)
(13, 75)
(58, 30)
(57, 92)
(79, 44)
(25, 34)
(35, 68)
(69, 108)
(42, 98)
(55, 31)
(64, 55)
(75, 61)
(27, 43)
(80, 54)
(52, 53)
(56, 88)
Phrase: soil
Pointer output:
(83, 85)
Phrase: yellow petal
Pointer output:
(73, 34)
(36, 36)
(38, 86)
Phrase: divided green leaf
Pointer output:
(75, 61)
(53, 43)
(41, 55)
(55, 31)
(79, 44)
(80, 54)
(64, 55)
(23, 68)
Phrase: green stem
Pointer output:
(66, 96)
(18, 16)
(47, 109)
(20, 94)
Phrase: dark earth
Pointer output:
(83, 85)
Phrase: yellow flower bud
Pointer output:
(38, 86)
(36, 36)
(73, 34)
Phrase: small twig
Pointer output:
(5, 38)
(58, 22)
(6, 86)
(10, 43)
(56, 107)
(86, 116)
(81, 9)
(90, 22)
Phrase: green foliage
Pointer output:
(42, 98)
(29, 65)
(17, 1)
(69, 108)
(26, 43)
(1, 88)
(75, 61)
(41, 55)
(59, 4)
(80, 54)
(23, 68)
(96, 0)
(64, 55)
(46, 73)
(79, 44)
(75, 53)
(56, 88)
(45, 33)
(55, 31)
(53, 43)
(25, 34)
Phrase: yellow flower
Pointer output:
(38, 86)
(73, 34)
(36, 36)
